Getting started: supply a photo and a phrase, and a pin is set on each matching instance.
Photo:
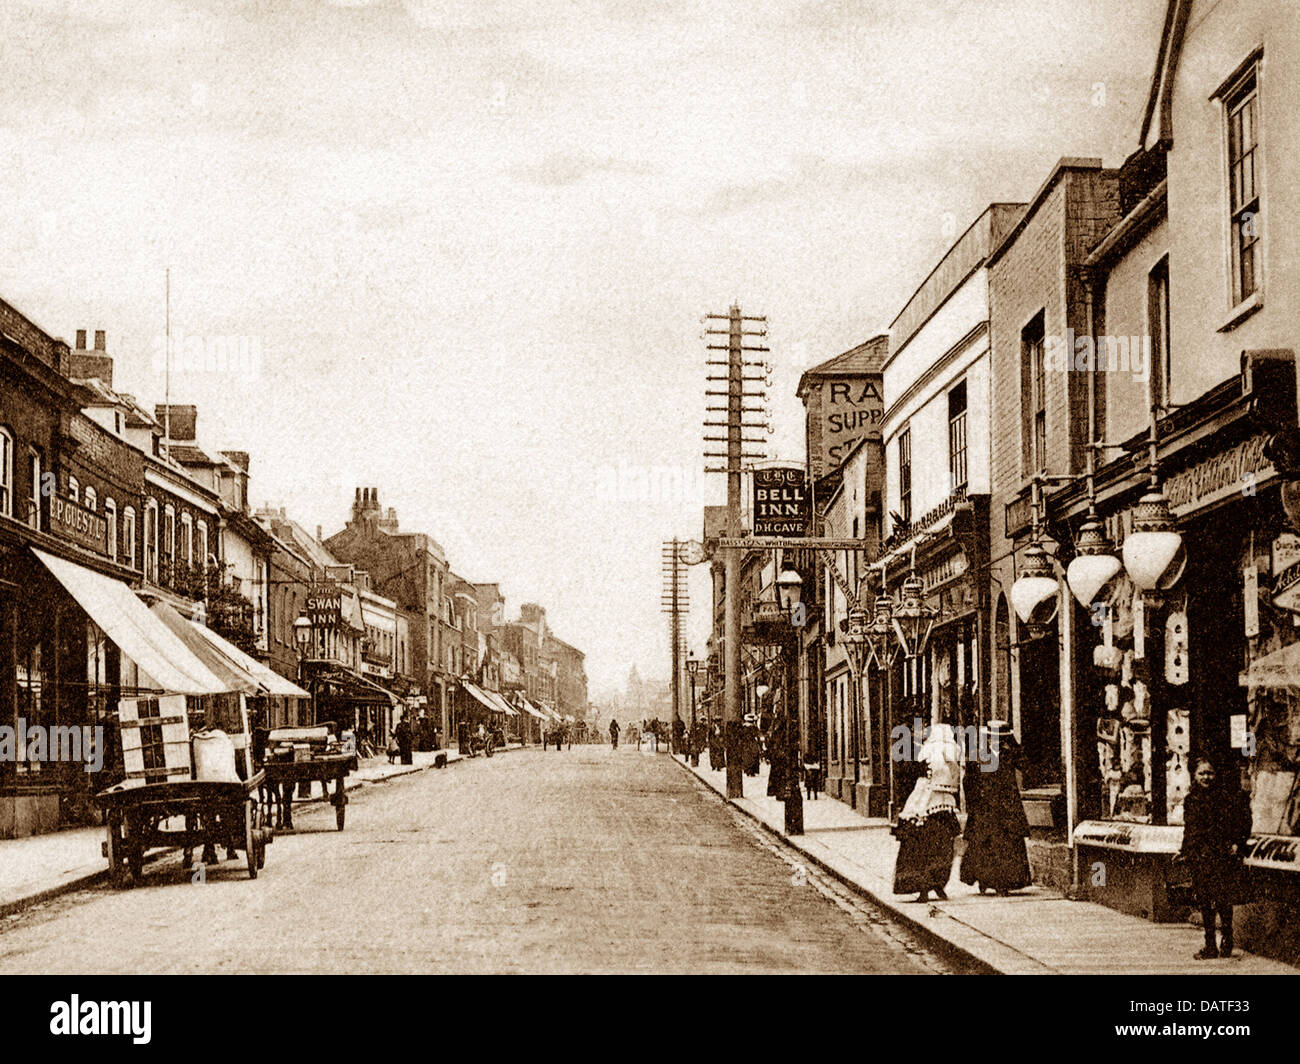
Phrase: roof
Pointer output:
(866, 359)
(1063, 165)
(188, 454)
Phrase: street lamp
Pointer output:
(302, 634)
(693, 670)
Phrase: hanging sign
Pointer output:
(782, 504)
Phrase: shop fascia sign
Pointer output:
(1239, 470)
(76, 523)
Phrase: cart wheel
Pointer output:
(250, 837)
(117, 866)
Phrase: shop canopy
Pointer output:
(1281, 668)
(531, 710)
(138, 634)
(506, 707)
(482, 696)
(233, 677)
(393, 700)
(270, 680)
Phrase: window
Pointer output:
(151, 540)
(187, 540)
(1242, 112)
(169, 539)
(89, 498)
(1158, 328)
(957, 436)
(6, 473)
(74, 489)
(905, 475)
(1033, 370)
(110, 518)
(34, 490)
(128, 536)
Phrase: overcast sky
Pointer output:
(473, 240)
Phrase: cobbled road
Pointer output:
(586, 860)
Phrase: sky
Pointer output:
(464, 248)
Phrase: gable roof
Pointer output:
(866, 359)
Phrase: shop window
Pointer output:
(1241, 112)
(957, 437)
(6, 473)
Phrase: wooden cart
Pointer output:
(283, 776)
(216, 814)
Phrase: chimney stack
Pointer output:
(99, 339)
(81, 339)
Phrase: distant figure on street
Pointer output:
(996, 827)
(404, 737)
(1216, 827)
(751, 745)
(928, 824)
(613, 734)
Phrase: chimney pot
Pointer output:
(99, 339)
(358, 498)
(318, 535)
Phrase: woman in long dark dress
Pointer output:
(1216, 826)
(996, 828)
(928, 824)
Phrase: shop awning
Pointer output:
(546, 711)
(234, 678)
(482, 696)
(138, 633)
(393, 700)
(268, 679)
(506, 707)
(528, 708)
(1281, 668)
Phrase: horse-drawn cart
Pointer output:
(303, 756)
(216, 813)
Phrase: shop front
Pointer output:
(932, 671)
(1202, 668)
(77, 645)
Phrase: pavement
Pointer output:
(1035, 931)
(583, 861)
(40, 867)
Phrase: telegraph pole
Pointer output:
(675, 601)
(735, 454)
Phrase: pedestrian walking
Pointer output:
(613, 734)
(404, 738)
(1216, 828)
(928, 824)
(717, 748)
(996, 827)
(751, 746)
